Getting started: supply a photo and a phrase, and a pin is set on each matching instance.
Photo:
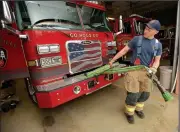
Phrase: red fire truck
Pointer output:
(51, 44)
(125, 29)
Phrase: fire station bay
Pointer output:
(89, 66)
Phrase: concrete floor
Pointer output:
(101, 111)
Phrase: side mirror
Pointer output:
(5, 13)
(6, 18)
(140, 28)
(137, 28)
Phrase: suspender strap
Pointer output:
(139, 46)
(156, 47)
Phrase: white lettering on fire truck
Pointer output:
(75, 35)
(6, 42)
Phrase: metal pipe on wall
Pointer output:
(179, 46)
(178, 82)
(176, 45)
(178, 78)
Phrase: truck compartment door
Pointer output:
(12, 59)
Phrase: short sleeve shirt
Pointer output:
(147, 50)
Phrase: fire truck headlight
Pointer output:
(48, 48)
(43, 49)
(114, 43)
(111, 43)
(54, 48)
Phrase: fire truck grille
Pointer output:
(83, 55)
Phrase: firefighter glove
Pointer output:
(153, 70)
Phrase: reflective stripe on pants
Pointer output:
(130, 109)
(139, 106)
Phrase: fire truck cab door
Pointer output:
(12, 59)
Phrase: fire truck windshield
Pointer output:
(56, 14)
(94, 19)
(59, 15)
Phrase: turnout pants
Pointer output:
(135, 101)
(138, 87)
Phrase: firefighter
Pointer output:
(146, 50)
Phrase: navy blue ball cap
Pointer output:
(154, 24)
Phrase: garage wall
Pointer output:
(165, 16)
(165, 11)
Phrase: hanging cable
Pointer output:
(175, 81)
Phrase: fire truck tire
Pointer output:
(5, 107)
(31, 91)
(13, 104)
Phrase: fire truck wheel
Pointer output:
(5, 107)
(30, 90)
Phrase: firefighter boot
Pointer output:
(140, 114)
(129, 113)
(130, 118)
(139, 110)
(6, 89)
(9, 103)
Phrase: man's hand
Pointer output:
(153, 69)
(119, 55)
(111, 63)
(155, 64)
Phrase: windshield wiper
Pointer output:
(43, 20)
(68, 21)
(55, 20)
(49, 25)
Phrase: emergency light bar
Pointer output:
(110, 18)
(95, 2)
(136, 15)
